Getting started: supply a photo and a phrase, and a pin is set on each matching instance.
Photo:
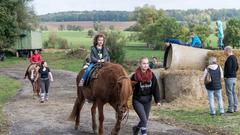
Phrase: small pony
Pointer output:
(33, 77)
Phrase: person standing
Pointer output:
(220, 34)
(230, 79)
(146, 86)
(214, 86)
(45, 78)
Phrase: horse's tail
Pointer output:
(75, 111)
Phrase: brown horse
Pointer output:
(33, 77)
(111, 86)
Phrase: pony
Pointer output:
(112, 86)
(33, 77)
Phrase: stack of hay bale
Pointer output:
(183, 76)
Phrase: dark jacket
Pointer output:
(44, 74)
(215, 84)
(231, 67)
(144, 95)
(95, 54)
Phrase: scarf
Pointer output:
(143, 77)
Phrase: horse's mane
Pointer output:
(32, 67)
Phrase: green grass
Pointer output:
(8, 88)
(136, 50)
(74, 38)
(9, 61)
(200, 118)
(59, 60)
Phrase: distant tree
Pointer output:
(115, 41)
(98, 27)
(45, 28)
(111, 27)
(232, 33)
(90, 33)
(145, 15)
(61, 27)
(157, 32)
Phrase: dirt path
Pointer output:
(29, 117)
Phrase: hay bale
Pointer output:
(160, 81)
(78, 53)
(182, 83)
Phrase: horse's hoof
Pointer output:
(76, 127)
(95, 131)
(113, 132)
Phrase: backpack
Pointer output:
(208, 78)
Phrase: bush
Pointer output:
(63, 44)
(55, 42)
(90, 33)
(115, 41)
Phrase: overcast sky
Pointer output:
(51, 6)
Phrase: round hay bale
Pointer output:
(157, 73)
(182, 83)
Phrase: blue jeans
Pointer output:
(230, 85)
(220, 43)
(86, 74)
(211, 100)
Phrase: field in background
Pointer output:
(53, 26)
(134, 50)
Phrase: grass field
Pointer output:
(7, 90)
(59, 60)
(9, 61)
(199, 118)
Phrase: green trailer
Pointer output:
(28, 41)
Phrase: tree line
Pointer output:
(155, 26)
(206, 15)
(86, 16)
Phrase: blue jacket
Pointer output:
(220, 29)
(196, 42)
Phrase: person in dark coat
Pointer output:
(230, 79)
(214, 86)
(146, 86)
(98, 54)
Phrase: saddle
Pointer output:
(93, 73)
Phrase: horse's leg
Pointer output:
(33, 86)
(93, 111)
(117, 127)
(38, 88)
(101, 117)
(79, 108)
